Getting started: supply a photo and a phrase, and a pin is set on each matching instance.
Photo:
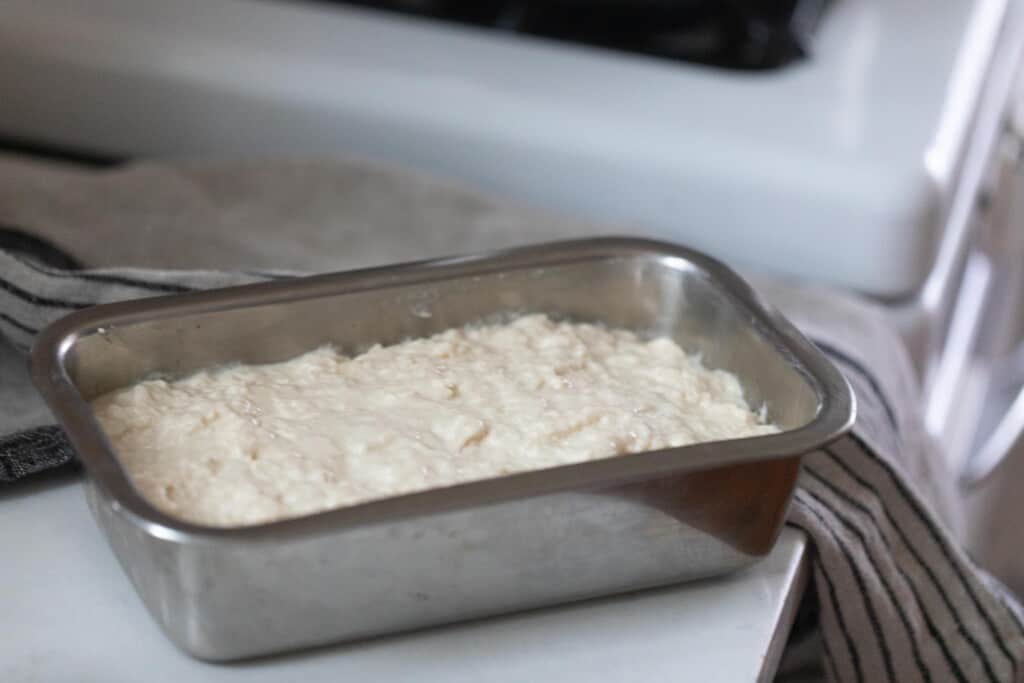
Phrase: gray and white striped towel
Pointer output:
(899, 601)
(894, 599)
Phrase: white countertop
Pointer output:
(838, 168)
(69, 614)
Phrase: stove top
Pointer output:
(839, 168)
(734, 34)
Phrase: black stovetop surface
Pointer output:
(734, 34)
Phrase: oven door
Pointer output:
(975, 405)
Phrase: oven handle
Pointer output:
(1007, 438)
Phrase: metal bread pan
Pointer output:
(474, 549)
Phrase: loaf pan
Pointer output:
(474, 549)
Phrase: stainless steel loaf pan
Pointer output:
(474, 549)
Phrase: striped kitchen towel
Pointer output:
(897, 599)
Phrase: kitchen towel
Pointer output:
(896, 598)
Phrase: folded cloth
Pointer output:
(899, 600)
(896, 598)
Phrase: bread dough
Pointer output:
(246, 444)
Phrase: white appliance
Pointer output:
(840, 167)
(885, 162)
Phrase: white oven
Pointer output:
(877, 149)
